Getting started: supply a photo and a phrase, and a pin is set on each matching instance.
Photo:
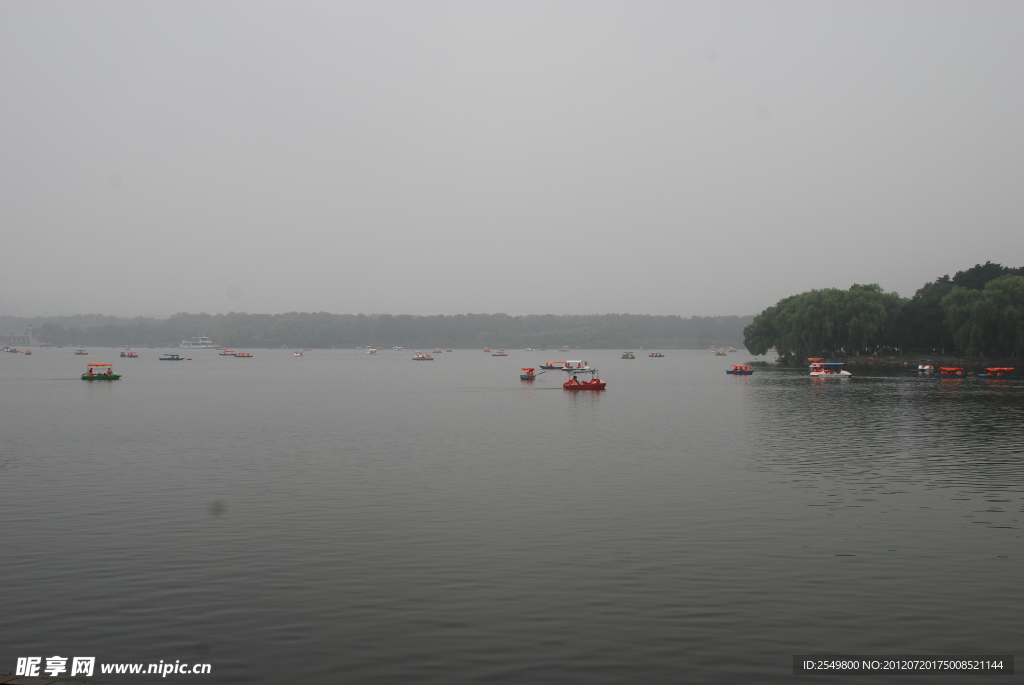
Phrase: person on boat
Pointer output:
(90, 373)
(110, 372)
(574, 379)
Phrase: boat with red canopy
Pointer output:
(950, 372)
(740, 370)
(528, 373)
(1000, 372)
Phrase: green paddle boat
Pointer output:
(109, 375)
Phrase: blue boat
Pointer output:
(999, 373)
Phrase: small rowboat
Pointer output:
(423, 356)
(655, 354)
(528, 373)
(575, 383)
(950, 372)
(740, 370)
(628, 355)
(171, 358)
(553, 365)
(243, 355)
(829, 370)
(592, 384)
(91, 374)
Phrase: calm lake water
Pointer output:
(342, 517)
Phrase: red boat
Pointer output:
(950, 372)
(592, 384)
(1003, 372)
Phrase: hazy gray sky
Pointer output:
(689, 158)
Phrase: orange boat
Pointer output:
(528, 374)
(950, 372)
(740, 370)
(1001, 372)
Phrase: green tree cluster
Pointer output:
(977, 312)
(825, 322)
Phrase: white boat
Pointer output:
(829, 370)
(926, 365)
(200, 342)
(577, 365)
(371, 350)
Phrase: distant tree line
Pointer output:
(321, 329)
(978, 313)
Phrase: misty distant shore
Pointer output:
(324, 330)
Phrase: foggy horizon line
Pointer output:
(370, 315)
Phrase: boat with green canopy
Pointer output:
(93, 373)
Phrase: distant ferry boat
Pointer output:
(199, 342)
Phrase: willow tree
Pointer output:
(827, 322)
(987, 322)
